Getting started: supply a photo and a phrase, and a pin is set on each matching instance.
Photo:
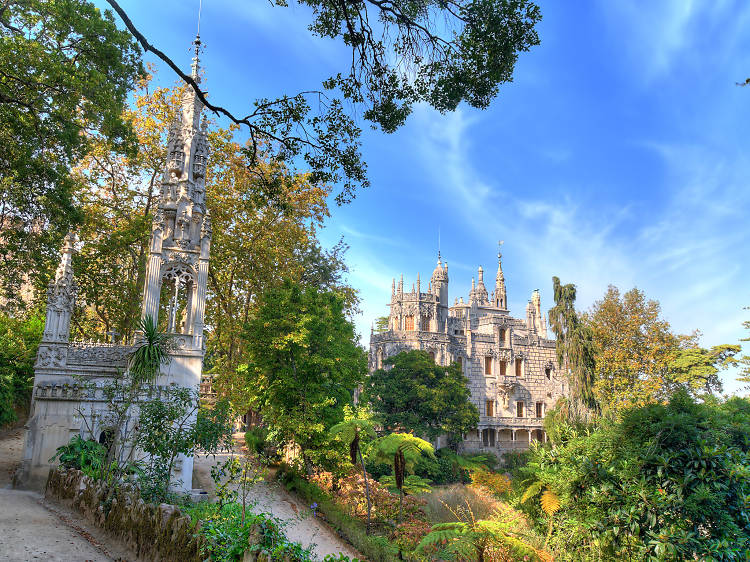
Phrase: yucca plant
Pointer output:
(351, 431)
(402, 450)
(151, 352)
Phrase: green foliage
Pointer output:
(173, 424)
(19, 340)
(402, 53)
(449, 467)
(667, 482)
(416, 394)
(228, 534)
(696, 369)
(575, 348)
(81, 454)
(304, 366)
(374, 548)
(256, 439)
(66, 71)
(473, 539)
(412, 485)
(151, 352)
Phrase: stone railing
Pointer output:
(152, 532)
(511, 423)
(98, 354)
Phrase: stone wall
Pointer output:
(152, 532)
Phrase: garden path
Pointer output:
(301, 525)
(33, 529)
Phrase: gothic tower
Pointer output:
(177, 268)
(501, 298)
(439, 283)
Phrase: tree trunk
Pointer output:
(367, 489)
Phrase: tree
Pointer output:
(574, 348)
(117, 194)
(418, 51)
(696, 369)
(304, 364)
(356, 424)
(744, 360)
(662, 481)
(19, 340)
(415, 394)
(65, 69)
(402, 450)
(639, 359)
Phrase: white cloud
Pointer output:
(690, 252)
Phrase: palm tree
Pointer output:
(351, 431)
(403, 450)
(413, 484)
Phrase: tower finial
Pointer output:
(499, 249)
(197, 45)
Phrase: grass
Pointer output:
(442, 502)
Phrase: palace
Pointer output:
(68, 395)
(509, 363)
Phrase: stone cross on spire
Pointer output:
(501, 298)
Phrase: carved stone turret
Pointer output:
(181, 231)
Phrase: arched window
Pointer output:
(409, 323)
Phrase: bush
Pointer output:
(81, 454)
(19, 340)
(667, 482)
(227, 537)
(375, 548)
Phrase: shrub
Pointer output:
(494, 482)
(375, 548)
(85, 455)
(665, 482)
(227, 537)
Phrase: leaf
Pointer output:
(550, 502)
(532, 491)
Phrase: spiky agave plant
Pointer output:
(151, 351)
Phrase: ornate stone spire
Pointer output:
(479, 292)
(501, 298)
(181, 234)
(61, 296)
(539, 323)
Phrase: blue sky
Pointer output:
(617, 156)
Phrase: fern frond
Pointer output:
(550, 502)
(532, 491)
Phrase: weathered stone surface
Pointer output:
(158, 533)
(67, 398)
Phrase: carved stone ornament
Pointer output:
(51, 356)
(106, 355)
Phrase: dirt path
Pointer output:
(301, 525)
(30, 531)
(11, 453)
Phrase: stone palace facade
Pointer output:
(68, 397)
(509, 363)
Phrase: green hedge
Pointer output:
(376, 549)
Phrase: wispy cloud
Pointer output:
(690, 251)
